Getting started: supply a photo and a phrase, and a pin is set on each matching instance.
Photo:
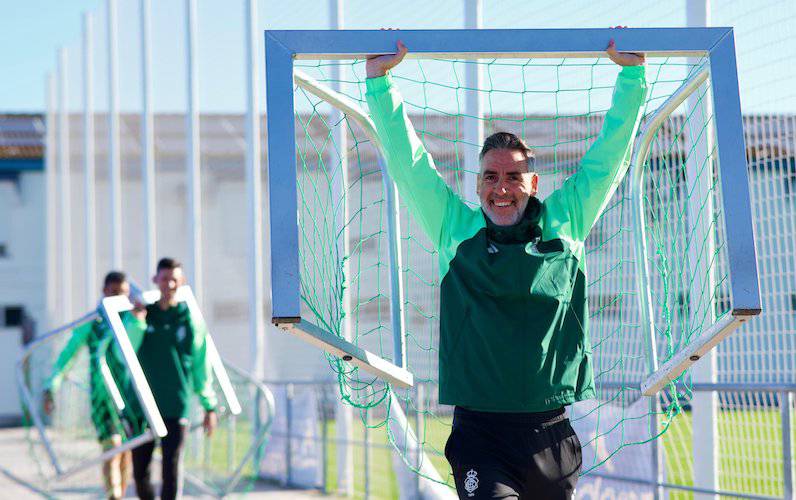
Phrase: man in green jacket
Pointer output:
(514, 347)
(173, 356)
(105, 367)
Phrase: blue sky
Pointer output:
(31, 32)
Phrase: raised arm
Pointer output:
(584, 195)
(429, 199)
(134, 326)
(67, 355)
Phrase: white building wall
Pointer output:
(225, 304)
(22, 273)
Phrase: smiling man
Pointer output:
(514, 349)
(173, 356)
(507, 181)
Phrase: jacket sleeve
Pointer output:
(67, 355)
(135, 328)
(582, 197)
(429, 199)
(202, 370)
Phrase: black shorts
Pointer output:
(513, 455)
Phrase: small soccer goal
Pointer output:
(112, 306)
(671, 263)
(219, 464)
(225, 462)
(97, 393)
(100, 391)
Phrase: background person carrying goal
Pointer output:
(514, 347)
(112, 425)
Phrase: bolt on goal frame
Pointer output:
(715, 45)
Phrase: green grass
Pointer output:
(383, 482)
(750, 452)
(749, 444)
(217, 462)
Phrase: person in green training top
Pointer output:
(111, 425)
(173, 356)
(514, 349)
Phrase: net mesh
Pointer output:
(92, 406)
(69, 365)
(227, 461)
(557, 107)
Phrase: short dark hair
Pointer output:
(507, 140)
(114, 278)
(167, 263)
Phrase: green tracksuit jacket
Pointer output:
(513, 312)
(173, 356)
(97, 336)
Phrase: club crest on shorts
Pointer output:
(471, 482)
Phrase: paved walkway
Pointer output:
(20, 478)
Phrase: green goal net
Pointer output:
(80, 406)
(639, 324)
(82, 410)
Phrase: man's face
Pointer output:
(168, 280)
(505, 185)
(118, 288)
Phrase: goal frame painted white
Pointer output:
(111, 309)
(156, 428)
(184, 294)
(717, 45)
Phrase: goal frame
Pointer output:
(112, 306)
(111, 309)
(717, 45)
(156, 428)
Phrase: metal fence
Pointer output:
(755, 427)
(374, 475)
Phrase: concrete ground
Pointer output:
(21, 478)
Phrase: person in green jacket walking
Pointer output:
(112, 426)
(173, 356)
(514, 349)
